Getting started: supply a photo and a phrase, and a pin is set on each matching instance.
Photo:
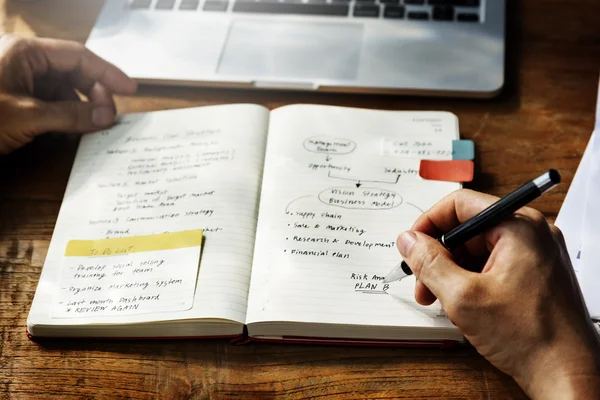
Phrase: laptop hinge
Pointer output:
(286, 85)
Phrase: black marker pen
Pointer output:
(488, 218)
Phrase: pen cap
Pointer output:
(547, 181)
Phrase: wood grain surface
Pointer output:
(543, 119)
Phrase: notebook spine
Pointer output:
(244, 338)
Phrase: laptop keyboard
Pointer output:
(424, 10)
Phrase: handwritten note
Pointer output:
(163, 172)
(331, 209)
(422, 147)
(129, 275)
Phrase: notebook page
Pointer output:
(165, 172)
(331, 208)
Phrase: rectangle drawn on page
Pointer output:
(127, 276)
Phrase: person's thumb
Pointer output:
(432, 265)
(71, 117)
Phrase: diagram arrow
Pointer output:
(358, 184)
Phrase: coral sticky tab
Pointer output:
(449, 171)
(463, 150)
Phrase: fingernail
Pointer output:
(102, 116)
(405, 242)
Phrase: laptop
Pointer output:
(419, 47)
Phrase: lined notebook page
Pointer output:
(331, 208)
(162, 172)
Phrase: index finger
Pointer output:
(452, 210)
(66, 56)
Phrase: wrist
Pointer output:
(566, 370)
(584, 385)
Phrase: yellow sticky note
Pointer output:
(110, 278)
(134, 244)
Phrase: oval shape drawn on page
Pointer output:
(329, 145)
(362, 198)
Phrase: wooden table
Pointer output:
(543, 119)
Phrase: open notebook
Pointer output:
(299, 208)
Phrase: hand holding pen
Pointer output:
(523, 311)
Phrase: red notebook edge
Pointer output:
(244, 338)
(46, 338)
(443, 344)
(439, 344)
